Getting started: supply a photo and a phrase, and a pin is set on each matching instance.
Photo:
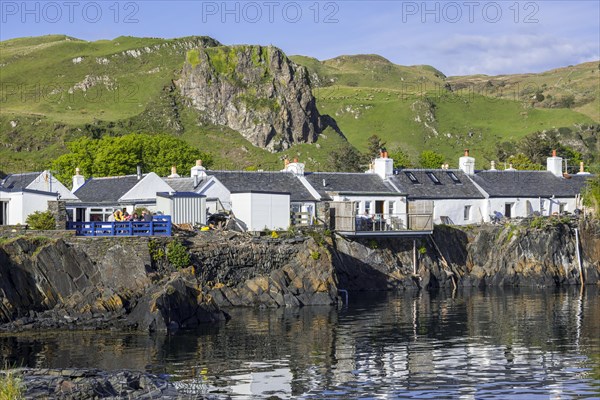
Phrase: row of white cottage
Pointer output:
(267, 199)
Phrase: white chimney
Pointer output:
(383, 166)
(467, 164)
(78, 180)
(294, 167)
(493, 166)
(554, 164)
(582, 170)
(198, 171)
(510, 168)
(174, 172)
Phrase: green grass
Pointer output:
(131, 91)
(11, 386)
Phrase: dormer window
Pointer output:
(454, 178)
(434, 178)
(411, 176)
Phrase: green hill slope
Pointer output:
(57, 88)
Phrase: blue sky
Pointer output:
(457, 37)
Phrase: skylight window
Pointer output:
(434, 178)
(453, 177)
(412, 178)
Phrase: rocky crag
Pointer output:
(131, 283)
(254, 90)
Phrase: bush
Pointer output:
(178, 255)
(11, 386)
(41, 221)
(315, 255)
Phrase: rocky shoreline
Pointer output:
(70, 283)
(131, 283)
(93, 384)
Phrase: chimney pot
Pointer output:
(466, 152)
(554, 153)
(581, 167)
(198, 163)
(139, 172)
(493, 165)
(295, 159)
(77, 170)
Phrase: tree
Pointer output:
(431, 160)
(120, 155)
(591, 195)
(401, 159)
(522, 162)
(375, 145)
(345, 159)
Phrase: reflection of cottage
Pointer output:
(24, 194)
(518, 194)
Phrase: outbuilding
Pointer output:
(261, 210)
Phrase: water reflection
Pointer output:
(475, 344)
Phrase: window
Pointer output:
(412, 178)
(368, 207)
(467, 213)
(453, 176)
(562, 207)
(357, 207)
(391, 207)
(434, 178)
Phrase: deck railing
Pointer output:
(159, 226)
(383, 223)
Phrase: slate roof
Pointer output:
(185, 184)
(17, 182)
(245, 181)
(529, 184)
(445, 188)
(348, 182)
(107, 189)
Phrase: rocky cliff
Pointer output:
(131, 283)
(254, 90)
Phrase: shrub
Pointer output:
(178, 255)
(315, 255)
(11, 386)
(41, 220)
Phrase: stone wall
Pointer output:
(58, 208)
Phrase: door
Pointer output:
(3, 213)
(80, 214)
(508, 210)
(379, 207)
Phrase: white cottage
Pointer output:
(24, 194)
(520, 194)
(453, 196)
(98, 198)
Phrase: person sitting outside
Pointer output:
(146, 216)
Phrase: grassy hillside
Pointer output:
(57, 88)
(419, 108)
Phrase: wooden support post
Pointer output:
(415, 257)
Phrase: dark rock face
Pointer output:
(254, 90)
(93, 384)
(127, 283)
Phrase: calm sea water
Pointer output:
(497, 344)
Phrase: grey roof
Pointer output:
(426, 188)
(16, 182)
(106, 190)
(184, 184)
(348, 182)
(246, 181)
(529, 184)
